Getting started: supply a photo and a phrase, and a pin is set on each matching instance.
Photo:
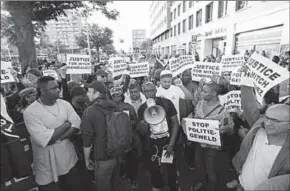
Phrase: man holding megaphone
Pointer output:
(159, 117)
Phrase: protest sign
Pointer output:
(139, 69)
(265, 74)
(204, 70)
(119, 66)
(180, 64)
(203, 131)
(230, 63)
(51, 73)
(6, 75)
(78, 64)
(240, 78)
(231, 101)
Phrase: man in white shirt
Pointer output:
(50, 123)
(169, 91)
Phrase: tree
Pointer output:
(99, 38)
(27, 14)
(109, 49)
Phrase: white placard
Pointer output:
(51, 73)
(78, 64)
(231, 101)
(6, 76)
(230, 63)
(240, 78)
(139, 69)
(180, 64)
(204, 70)
(119, 66)
(165, 159)
(265, 74)
(203, 131)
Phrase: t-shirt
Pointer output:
(174, 93)
(57, 159)
(259, 162)
(160, 131)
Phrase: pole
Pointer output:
(88, 39)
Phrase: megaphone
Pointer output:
(154, 114)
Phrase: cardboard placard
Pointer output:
(139, 69)
(6, 76)
(51, 73)
(118, 65)
(180, 64)
(231, 101)
(203, 131)
(78, 64)
(265, 74)
(204, 70)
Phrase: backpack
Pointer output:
(119, 133)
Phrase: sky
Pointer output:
(132, 15)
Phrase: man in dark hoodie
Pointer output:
(93, 129)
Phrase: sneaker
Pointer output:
(192, 167)
(198, 186)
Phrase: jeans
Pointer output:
(206, 161)
(106, 174)
(157, 168)
(69, 181)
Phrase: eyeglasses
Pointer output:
(275, 120)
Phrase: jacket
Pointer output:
(251, 112)
(93, 127)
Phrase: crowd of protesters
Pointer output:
(66, 125)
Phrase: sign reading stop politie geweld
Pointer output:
(203, 131)
(78, 64)
(231, 101)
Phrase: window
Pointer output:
(171, 32)
(190, 22)
(175, 13)
(178, 28)
(184, 26)
(198, 18)
(184, 6)
(171, 16)
(190, 4)
(241, 5)
(223, 8)
(175, 30)
(209, 12)
(178, 11)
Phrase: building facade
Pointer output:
(225, 27)
(138, 37)
(63, 31)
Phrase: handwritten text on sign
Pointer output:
(6, 76)
(78, 64)
(229, 63)
(204, 70)
(119, 66)
(265, 74)
(231, 101)
(203, 131)
(139, 69)
(180, 64)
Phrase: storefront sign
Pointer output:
(215, 32)
(203, 131)
(265, 74)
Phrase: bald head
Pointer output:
(279, 111)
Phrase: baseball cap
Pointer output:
(165, 73)
(77, 91)
(27, 91)
(116, 90)
(98, 86)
